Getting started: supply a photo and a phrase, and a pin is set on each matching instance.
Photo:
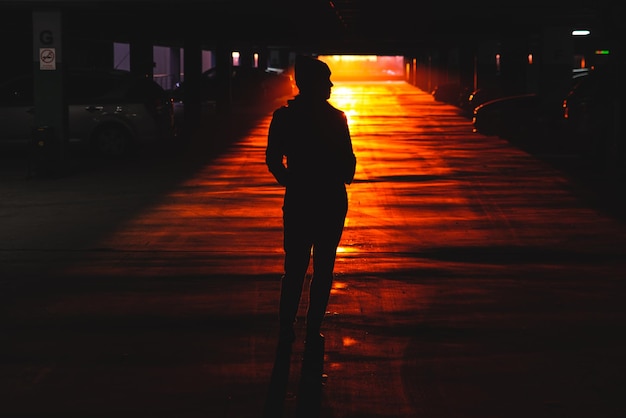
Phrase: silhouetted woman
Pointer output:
(309, 151)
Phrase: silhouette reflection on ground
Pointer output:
(309, 394)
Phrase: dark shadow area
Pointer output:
(309, 397)
(309, 392)
(275, 399)
(136, 182)
(600, 187)
(507, 254)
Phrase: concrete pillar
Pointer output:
(223, 67)
(556, 63)
(246, 56)
(192, 64)
(51, 118)
(141, 59)
(487, 75)
(175, 65)
(263, 58)
(467, 67)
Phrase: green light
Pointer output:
(602, 52)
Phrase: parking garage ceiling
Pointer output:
(388, 27)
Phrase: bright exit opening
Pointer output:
(364, 67)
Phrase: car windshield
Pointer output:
(85, 86)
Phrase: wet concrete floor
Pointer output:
(473, 280)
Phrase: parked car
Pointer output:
(502, 115)
(582, 100)
(588, 111)
(248, 84)
(450, 93)
(476, 97)
(109, 112)
(521, 116)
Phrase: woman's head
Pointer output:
(312, 76)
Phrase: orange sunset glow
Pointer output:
(174, 177)
(230, 210)
(464, 261)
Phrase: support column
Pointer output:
(246, 56)
(175, 66)
(49, 153)
(193, 70)
(263, 57)
(224, 68)
(141, 59)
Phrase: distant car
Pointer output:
(109, 112)
(502, 115)
(248, 84)
(450, 93)
(476, 97)
(515, 117)
(578, 105)
(588, 111)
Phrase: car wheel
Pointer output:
(111, 141)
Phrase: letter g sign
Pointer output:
(45, 37)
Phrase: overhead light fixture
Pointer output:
(581, 32)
